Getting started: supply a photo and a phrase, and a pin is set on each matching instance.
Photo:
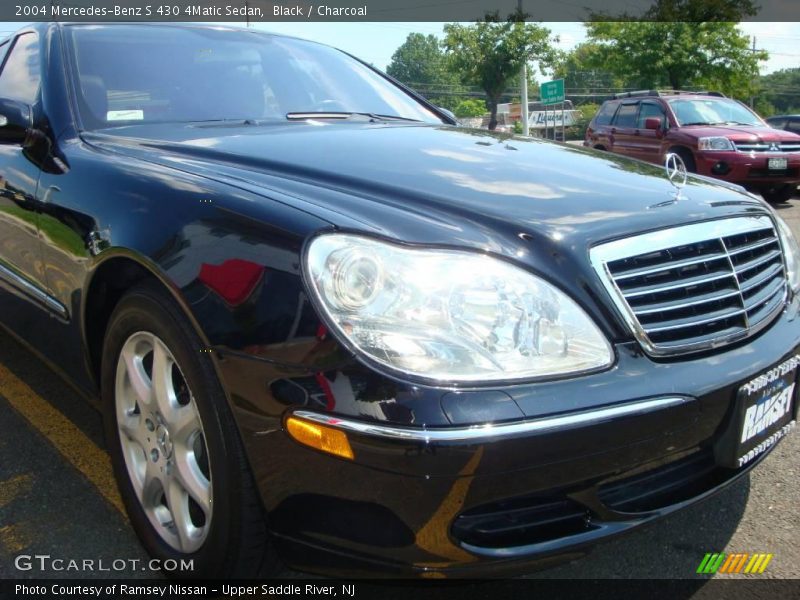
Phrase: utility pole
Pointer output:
(523, 75)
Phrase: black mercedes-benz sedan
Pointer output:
(327, 325)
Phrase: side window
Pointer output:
(605, 114)
(777, 123)
(794, 125)
(626, 115)
(647, 110)
(4, 50)
(21, 74)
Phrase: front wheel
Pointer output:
(176, 452)
(687, 158)
(777, 194)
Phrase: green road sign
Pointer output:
(552, 92)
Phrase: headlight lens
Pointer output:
(449, 315)
(791, 253)
(718, 144)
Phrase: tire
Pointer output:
(779, 193)
(174, 446)
(688, 159)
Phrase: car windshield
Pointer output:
(148, 74)
(713, 111)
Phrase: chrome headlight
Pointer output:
(718, 144)
(791, 252)
(449, 316)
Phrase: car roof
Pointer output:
(776, 117)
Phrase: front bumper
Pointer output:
(486, 505)
(745, 168)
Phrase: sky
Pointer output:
(376, 42)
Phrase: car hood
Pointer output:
(420, 183)
(742, 134)
(537, 203)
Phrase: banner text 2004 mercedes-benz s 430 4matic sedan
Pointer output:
(327, 325)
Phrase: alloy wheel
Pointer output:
(163, 442)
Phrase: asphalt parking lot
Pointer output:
(57, 495)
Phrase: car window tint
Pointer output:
(21, 73)
(626, 115)
(606, 113)
(158, 74)
(647, 110)
(777, 123)
(4, 50)
(794, 125)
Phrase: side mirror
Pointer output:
(16, 121)
(653, 123)
(448, 113)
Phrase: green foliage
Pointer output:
(701, 10)
(490, 53)
(585, 114)
(421, 64)
(419, 60)
(584, 71)
(677, 55)
(517, 127)
(687, 11)
(470, 107)
(780, 93)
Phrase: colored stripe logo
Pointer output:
(741, 562)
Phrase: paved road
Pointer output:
(57, 496)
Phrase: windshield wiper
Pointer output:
(327, 114)
(702, 123)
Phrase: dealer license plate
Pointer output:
(767, 409)
(777, 164)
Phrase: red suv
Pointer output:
(714, 135)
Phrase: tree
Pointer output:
(701, 10)
(470, 107)
(421, 64)
(584, 71)
(680, 44)
(678, 55)
(780, 93)
(490, 53)
(687, 11)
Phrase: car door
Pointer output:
(24, 301)
(597, 134)
(646, 144)
(623, 129)
(793, 125)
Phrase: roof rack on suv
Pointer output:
(667, 93)
(637, 93)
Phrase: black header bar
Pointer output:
(395, 10)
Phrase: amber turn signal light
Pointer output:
(327, 439)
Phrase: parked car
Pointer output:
(787, 122)
(324, 324)
(714, 135)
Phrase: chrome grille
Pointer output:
(768, 147)
(696, 287)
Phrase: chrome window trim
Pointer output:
(654, 241)
(490, 431)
